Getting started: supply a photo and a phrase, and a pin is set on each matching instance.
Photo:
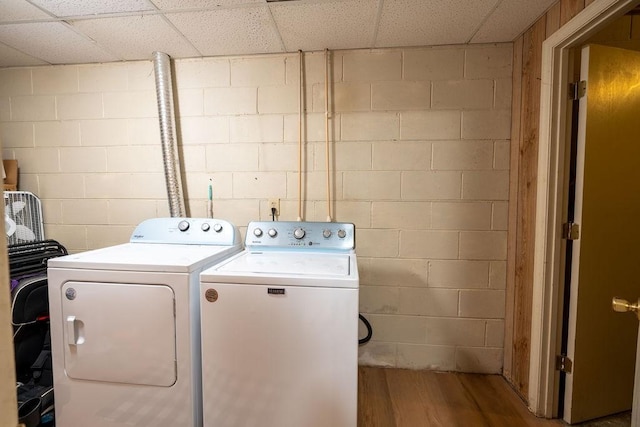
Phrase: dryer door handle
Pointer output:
(72, 336)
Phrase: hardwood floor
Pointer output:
(406, 398)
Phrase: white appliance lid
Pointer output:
(286, 268)
(151, 257)
(307, 264)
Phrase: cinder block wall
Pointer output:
(419, 158)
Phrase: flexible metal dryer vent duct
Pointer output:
(170, 156)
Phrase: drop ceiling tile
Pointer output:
(18, 10)
(200, 4)
(430, 23)
(9, 57)
(510, 19)
(53, 42)
(229, 31)
(330, 24)
(133, 29)
(92, 7)
(136, 37)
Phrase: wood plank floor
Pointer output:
(406, 398)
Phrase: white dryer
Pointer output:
(125, 329)
(280, 329)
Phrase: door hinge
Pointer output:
(577, 89)
(570, 231)
(563, 363)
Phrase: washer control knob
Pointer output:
(217, 227)
(326, 233)
(342, 234)
(298, 233)
(272, 232)
(257, 232)
(205, 227)
(183, 225)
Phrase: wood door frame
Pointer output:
(548, 273)
(635, 420)
(8, 395)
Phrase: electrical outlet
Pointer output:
(274, 203)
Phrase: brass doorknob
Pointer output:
(621, 305)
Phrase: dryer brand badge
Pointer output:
(211, 295)
(275, 291)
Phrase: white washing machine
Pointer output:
(125, 327)
(280, 329)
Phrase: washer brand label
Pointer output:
(275, 291)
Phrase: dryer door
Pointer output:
(118, 332)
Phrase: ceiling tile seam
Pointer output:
(55, 18)
(376, 24)
(107, 15)
(168, 21)
(30, 21)
(42, 9)
(152, 4)
(274, 25)
(84, 17)
(73, 28)
(149, 3)
(533, 22)
(27, 54)
(213, 8)
(484, 20)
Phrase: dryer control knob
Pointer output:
(298, 233)
(205, 227)
(342, 234)
(217, 227)
(257, 232)
(272, 232)
(326, 233)
(183, 225)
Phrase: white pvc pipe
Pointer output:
(300, 106)
(326, 129)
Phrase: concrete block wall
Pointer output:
(419, 158)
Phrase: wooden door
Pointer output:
(606, 257)
(635, 418)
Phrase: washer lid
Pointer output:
(146, 257)
(306, 264)
(286, 268)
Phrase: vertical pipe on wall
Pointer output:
(300, 107)
(326, 129)
(166, 115)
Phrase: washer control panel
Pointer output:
(301, 235)
(188, 231)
